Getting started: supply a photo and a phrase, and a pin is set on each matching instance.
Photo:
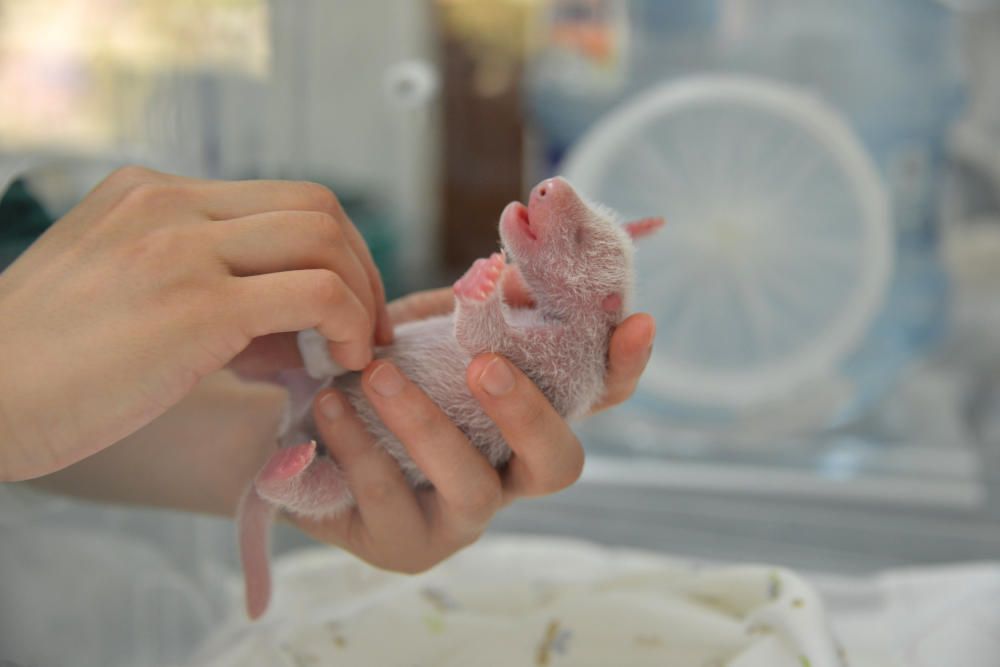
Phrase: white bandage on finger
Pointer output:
(316, 355)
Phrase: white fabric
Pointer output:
(315, 351)
(541, 601)
(532, 601)
(87, 584)
(921, 617)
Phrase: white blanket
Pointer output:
(533, 602)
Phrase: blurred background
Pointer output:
(824, 391)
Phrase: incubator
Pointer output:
(823, 396)
(812, 161)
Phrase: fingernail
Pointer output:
(386, 381)
(496, 378)
(330, 407)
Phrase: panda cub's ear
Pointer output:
(643, 227)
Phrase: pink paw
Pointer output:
(286, 463)
(482, 278)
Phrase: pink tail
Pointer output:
(294, 478)
(255, 517)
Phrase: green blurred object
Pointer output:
(377, 232)
(22, 220)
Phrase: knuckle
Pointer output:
(565, 474)
(481, 502)
(328, 287)
(456, 536)
(327, 222)
(624, 392)
(318, 198)
(467, 539)
(137, 194)
(327, 230)
(329, 225)
(145, 195)
(414, 566)
(376, 491)
(572, 470)
(130, 175)
(355, 322)
(556, 473)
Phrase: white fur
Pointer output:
(561, 343)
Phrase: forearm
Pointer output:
(197, 457)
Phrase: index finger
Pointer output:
(383, 323)
(296, 300)
(237, 199)
(547, 456)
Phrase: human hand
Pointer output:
(396, 527)
(202, 453)
(154, 281)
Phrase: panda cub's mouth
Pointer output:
(524, 220)
(516, 225)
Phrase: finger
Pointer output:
(467, 485)
(386, 505)
(236, 199)
(383, 323)
(628, 354)
(420, 305)
(296, 300)
(290, 240)
(267, 355)
(218, 200)
(110, 191)
(547, 455)
(225, 200)
(106, 195)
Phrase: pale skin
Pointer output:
(206, 440)
(152, 283)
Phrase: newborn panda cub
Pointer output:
(572, 257)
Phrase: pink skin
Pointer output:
(644, 227)
(287, 463)
(526, 227)
(572, 265)
(481, 279)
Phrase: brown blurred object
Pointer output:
(482, 50)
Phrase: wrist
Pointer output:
(197, 457)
